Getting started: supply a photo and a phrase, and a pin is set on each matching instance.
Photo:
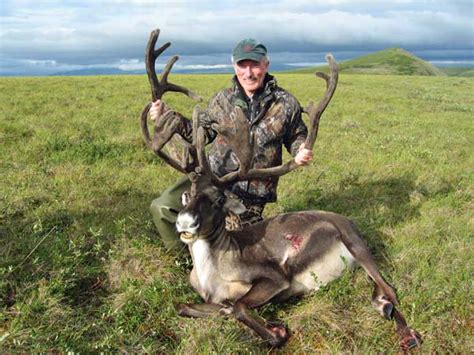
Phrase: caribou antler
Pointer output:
(159, 87)
(163, 131)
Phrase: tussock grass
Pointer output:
(81, 267)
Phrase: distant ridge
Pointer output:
(391, 61)
(97, 71)
(459, 71)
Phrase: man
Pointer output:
(275, 119)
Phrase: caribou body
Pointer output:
(291, 254)
(283, 256)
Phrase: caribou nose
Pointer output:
(187, 223)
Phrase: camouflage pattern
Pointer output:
(275, 119)
(253, 214)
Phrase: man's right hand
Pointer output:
(156, 110)
(166, 123)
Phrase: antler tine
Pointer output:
(167, 69)
(314, 113)
(195, 122)
(150, 59)
(199, 142)
(173, 87)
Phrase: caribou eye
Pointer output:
(219, 202)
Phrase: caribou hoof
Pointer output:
(226, 310)
(411, 340)
(280, 336)
(183, 310)
(387, 310)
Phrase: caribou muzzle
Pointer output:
(187, 226)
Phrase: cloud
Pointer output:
(93, 33)
(51, 67)
(40, 63)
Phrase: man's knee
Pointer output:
(164, 218)
(156, 205)
(161, 209)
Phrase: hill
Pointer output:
(395, 61)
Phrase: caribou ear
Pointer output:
(234, 205)
(185, 198)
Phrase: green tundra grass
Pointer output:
(82, 268)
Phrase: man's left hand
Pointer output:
(304, 156)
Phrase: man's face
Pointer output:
(251, 74)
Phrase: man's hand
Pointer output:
(166, 123)
(156, 110)
(304, 156)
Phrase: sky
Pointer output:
(44, 37)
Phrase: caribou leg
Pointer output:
(384, 298)
(262, 292)
(203, 310)
(409, 338)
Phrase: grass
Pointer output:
(81, 266)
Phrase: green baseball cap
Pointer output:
(249, 49)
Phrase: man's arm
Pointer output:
(185, 127)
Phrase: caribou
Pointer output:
(286, 255)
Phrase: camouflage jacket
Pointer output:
(275, 118)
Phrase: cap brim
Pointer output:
(256, 57)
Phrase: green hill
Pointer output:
(394, 61)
